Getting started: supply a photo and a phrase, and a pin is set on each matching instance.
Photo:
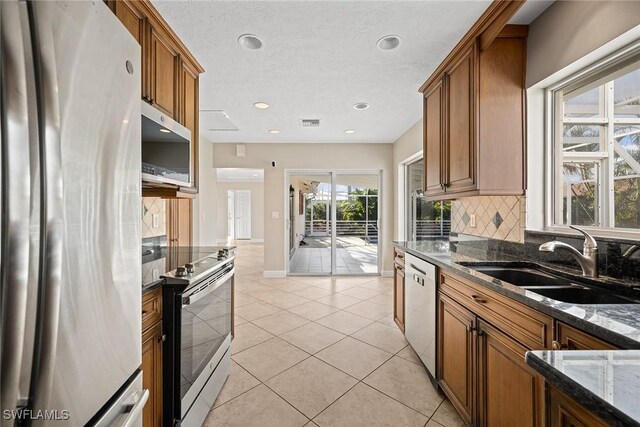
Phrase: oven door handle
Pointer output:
(204, 292)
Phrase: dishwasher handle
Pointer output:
(418, 279)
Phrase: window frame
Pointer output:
(556, 158)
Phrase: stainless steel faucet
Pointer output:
(588, 259)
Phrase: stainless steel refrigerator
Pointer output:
(70, 217)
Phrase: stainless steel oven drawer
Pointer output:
(204, 402)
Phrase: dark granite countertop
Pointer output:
(618, 324)
(606, 382)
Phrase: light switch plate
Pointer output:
(472, 220)
(275, 215)
(155, 220)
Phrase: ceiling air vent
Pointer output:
(310, 123)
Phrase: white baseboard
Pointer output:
(274, 274)
(257, 240)
(222, 241)
(387, 273)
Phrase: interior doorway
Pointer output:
(239, 214)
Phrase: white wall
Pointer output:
(569, 30)
(308, 156)
(205, 212)
(257, 207)
(568, 37)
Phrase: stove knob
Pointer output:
(190, 267)
(181, 272)
(222, 254)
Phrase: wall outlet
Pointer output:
(155, 274)
(472, 220)
(275, 215)
(155, 221)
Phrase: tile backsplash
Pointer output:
(496, 217)
(154, 217)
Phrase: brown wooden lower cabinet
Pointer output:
(510, 392)
(482, 340)
(152, 340)
(570, 338)
(456, 355)
(566, 412)
(152, 375)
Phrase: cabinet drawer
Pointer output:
(526, 325)
(151, 308)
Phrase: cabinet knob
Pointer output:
(162, 338)
(557, 346)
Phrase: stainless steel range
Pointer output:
(198, 319)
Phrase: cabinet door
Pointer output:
(189, 112)
(152, 375)
(163, 66)
(433, 141)
(460, 131)
(184, 222)
(398, 296)
(510, 393)
(179, 222)
(138, 26)
(565, 412)
(569, 338)
(456, 355)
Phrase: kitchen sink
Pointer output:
(521, 276)
(580, 295)
(549, 285)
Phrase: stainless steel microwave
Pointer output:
(166, 149)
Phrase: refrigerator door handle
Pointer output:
(136, 410)
(51, 203)
(16, 189)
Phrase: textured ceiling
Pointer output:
(318, 59)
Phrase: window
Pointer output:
(596, 148)
(424, 219)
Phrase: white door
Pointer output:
(243, 214)
(231, 215)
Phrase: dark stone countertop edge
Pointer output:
(151, 286)
(593, 329)
(579, 393)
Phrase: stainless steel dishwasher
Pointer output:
(420, 306)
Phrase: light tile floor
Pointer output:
(321, 351)
(353, 256)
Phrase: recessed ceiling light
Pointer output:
(349, 131)
(388, 42)
(360, 106)
(255, 174)
(250, 41)
(165, 130)
(274, 131)
(261, 105)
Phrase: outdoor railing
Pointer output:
(370, 228)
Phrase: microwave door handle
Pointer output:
(51, 205)
(190, 299)
(16, 189)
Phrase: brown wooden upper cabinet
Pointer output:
(474, 133)
(170, 73)
(163, 67)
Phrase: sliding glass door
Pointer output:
(337, 227)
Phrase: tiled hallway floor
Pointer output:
(321, 351)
